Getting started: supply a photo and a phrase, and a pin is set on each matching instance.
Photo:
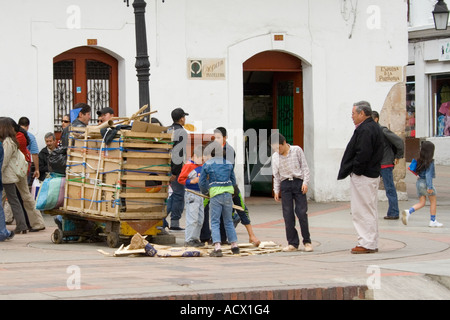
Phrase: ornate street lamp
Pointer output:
(440, 15)
(142, 61)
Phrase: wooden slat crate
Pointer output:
(124, 180)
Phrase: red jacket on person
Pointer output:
(22, 140)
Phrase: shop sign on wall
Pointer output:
(389, 74)
(444, 51)
(206, 69)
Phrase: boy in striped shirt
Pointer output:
(290, 183)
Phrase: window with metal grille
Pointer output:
(98, 76)
(63, 72)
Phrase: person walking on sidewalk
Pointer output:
(290, 183)
(424, 185)
(24, 123)
(393, 151)
(5, 234)
(362, 162)
(9, 177)
(35, 219)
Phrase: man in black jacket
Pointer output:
(175, 203)
(50, 142)
(362, 161)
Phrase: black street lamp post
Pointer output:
(142, 61)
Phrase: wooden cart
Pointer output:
(122, 184)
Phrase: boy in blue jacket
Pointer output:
(217, 178)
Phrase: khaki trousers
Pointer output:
(364, 207)
(34, 216)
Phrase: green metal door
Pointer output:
(285, 109)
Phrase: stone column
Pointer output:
(393, 116)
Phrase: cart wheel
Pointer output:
(57, 236)
(113, 239)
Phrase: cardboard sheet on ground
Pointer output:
(140, 246)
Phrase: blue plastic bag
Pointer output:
(413, 166)
(51, 192)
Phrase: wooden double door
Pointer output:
(87, 75)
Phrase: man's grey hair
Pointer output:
(50, 134)
(363, 106)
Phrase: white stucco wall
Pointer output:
(420, 14)
(339, 49)
(442, 149)
(355, 80)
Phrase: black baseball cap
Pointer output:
(178, 113)
(105, 110)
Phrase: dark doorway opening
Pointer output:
(273, 99)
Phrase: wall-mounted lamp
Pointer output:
(440, 15)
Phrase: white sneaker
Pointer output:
(405, 216)
(308, 247)
(289, 248)
(435, 224)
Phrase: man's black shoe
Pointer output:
(176, 229)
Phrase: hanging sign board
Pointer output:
(389, 74)
(206, 69)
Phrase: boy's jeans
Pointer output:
(194, 216)
(222, 205)
(291, 194)
(176, 203)
(391, 192)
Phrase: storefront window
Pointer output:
(440, 111)
(410, 125)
